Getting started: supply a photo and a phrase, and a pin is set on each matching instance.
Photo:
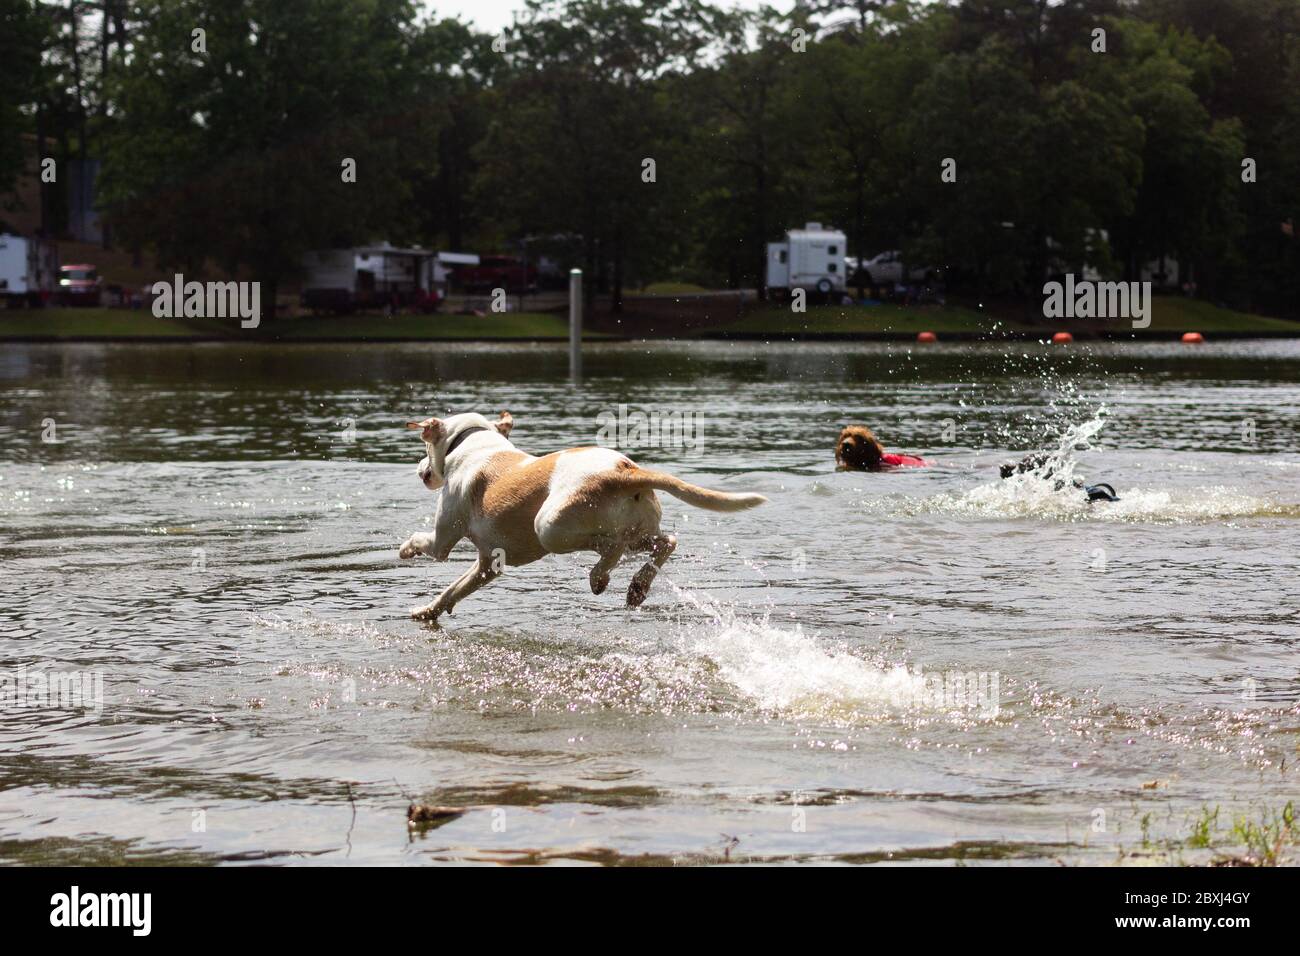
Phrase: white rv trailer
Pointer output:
(29, 270)
(341, 280)
(811, 258)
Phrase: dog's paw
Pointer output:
(429, 612)
(408, 550)
(639, 589)
(599, 582)
(637, 592)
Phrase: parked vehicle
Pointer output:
(497, 272)
(885, 268)
(811, 258)
(80, 284)
(382, 277)
(28, 270)
(1163, 272)
(445, 265)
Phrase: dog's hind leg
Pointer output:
(609, 557)
(484, 571)
(660, 546)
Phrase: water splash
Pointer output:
(792, 674)
(1048, 490)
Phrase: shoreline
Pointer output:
(712, 336)
(1170, 320)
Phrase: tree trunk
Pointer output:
(74, 20)
(616, 301)
(119, 27)
(270, 289)
(760, 231)
(103, 59)
(588, 272)
(859, 230)
(104, 237)
(451, 178)
(602, 267)
(40, 156)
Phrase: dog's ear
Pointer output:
(505, 423)
(430, 429)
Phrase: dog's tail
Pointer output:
(693, 494)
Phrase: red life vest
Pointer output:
(903, 461)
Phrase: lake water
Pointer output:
(208, 534)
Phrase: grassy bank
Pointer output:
(506, 325)
(60, 324)
(1169, 315)
(857, 320)
(1178, 314)
(92, 324)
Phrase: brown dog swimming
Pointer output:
(857, 449)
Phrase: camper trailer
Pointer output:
(381, 276)
(811, 258)
(29, 270)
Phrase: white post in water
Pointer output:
(575, 324)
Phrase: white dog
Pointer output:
(517, 508)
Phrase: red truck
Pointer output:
(80, 284)
(497, 272)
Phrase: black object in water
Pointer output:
(1041, 460)
(1101, 492)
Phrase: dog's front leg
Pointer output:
(484, 571)
(424, 544)
(447, 533)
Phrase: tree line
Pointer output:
(1106, 132)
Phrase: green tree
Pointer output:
(572, 128)
(976, 117)
(237, 154)
(458, 68)
(855, 91)
(1186, 208)
(23, 34)
(749, 133)
(1254, 103)
(1047, 152)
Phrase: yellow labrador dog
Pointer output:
(517, 508)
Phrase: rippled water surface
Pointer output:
(212, 532)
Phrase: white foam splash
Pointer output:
(1048, 491)
(796, 674)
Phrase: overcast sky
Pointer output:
(492, 15)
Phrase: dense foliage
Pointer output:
(841, 112)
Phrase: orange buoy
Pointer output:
(1193, 338)
(927, 337)
(1062, 337)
